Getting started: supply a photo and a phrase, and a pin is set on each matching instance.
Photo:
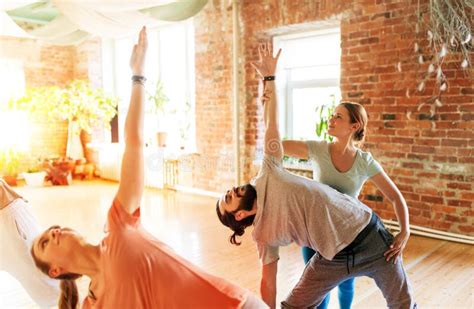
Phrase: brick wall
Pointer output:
(214, 166)
(47, 65)
(431, 160)
(43, 65)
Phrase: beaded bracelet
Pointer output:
(138, 80)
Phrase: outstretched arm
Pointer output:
(266, 68)
(132, 173)
(7, 194)
(295, 149)
(268, 283)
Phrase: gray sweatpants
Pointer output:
(365, 259)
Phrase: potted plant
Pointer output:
(158, 104)
(9, 164)
(35, 175)
(81, 105)
(59, 170)
(325, 113)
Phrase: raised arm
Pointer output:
(295, 149)
(266, 69)
(132, 173)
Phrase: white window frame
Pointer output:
(110, 78)
(285, 84)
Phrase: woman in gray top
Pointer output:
(343, 166)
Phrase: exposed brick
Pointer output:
(423, 149)
(459, 203)
(468, 229)
(453, 142)
(453, 177)
(415, 165)
(452, 218)
(431, 199)
(427, 175)
(418, 157)
(460, 186)
(467, 196)
(467, 90)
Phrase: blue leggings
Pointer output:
(346, 288)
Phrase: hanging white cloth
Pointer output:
(9, 28)
(77, 19)
(104, 24)
(13, 4)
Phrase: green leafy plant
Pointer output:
(36, 167)
(325, 112)
(9, 162)
(78, 101)
(158, 99)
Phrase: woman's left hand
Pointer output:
(397, 246)
(137, 60)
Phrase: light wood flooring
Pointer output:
(442, 272)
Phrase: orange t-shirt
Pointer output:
(139, 271)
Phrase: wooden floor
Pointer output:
(442, 272)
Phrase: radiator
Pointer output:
(110, 162)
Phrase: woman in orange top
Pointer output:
(130, 268)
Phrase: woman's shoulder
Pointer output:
(366, 156)
(315, 147)
(369, 163)
(316, 142)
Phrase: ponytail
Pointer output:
(69, 297)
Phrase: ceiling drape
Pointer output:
(67, 22)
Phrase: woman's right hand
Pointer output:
(266, 65)
(137, 60)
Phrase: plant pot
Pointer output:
(10, 180)
(34, 179)
(74, 147)
(161, 138)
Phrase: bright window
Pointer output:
(170, 60)
(12, 79)
(308, 71)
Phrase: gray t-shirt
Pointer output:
(291, 208)
(350, 182)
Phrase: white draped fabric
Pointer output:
(79, 19)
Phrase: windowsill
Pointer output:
(300, 166)
(168, 153)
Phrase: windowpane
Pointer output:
(170, 61)
(318, 49)
(309, 70)
(305, 102)
(12, 78)
(173, 76)
(318, 72)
